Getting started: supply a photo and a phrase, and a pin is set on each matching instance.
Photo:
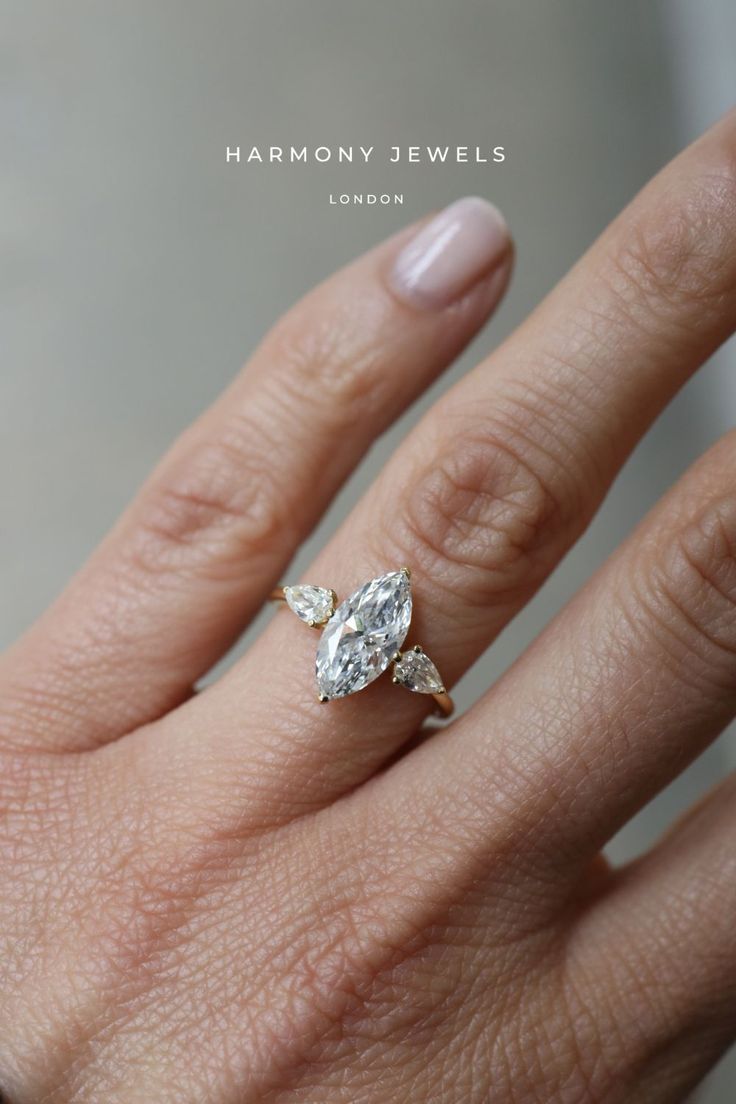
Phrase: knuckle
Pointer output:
(681, 251)
(219, 511)
(694, 587)
(324, 363)
(485, 507)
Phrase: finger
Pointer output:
(661, 944)
(196, 554)
(499, 478)
(623, 690)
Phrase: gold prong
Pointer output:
(335, 600)
(396, 657)
(322, 698)
(417, 648)
(407, 571)
(394, 678)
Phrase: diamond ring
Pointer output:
(362, 636)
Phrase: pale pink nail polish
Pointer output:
(457, 248)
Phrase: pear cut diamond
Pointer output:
(312, 604)
(363, 635)
(416, 671)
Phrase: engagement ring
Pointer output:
(362, 636)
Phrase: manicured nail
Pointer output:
(457, 248)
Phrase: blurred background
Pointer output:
(137, 269)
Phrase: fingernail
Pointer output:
(457, 248)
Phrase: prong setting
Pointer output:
(416, 671)
(312, 604)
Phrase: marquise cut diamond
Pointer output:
(363, 635)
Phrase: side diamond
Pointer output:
(312, 604)
(416, 671)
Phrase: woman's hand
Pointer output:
(246, 895)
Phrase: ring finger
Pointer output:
(497, 481)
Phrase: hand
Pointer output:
(245, 895)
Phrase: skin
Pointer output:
(244, 895)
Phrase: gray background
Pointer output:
(138, 269)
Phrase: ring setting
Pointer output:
(362, 636)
